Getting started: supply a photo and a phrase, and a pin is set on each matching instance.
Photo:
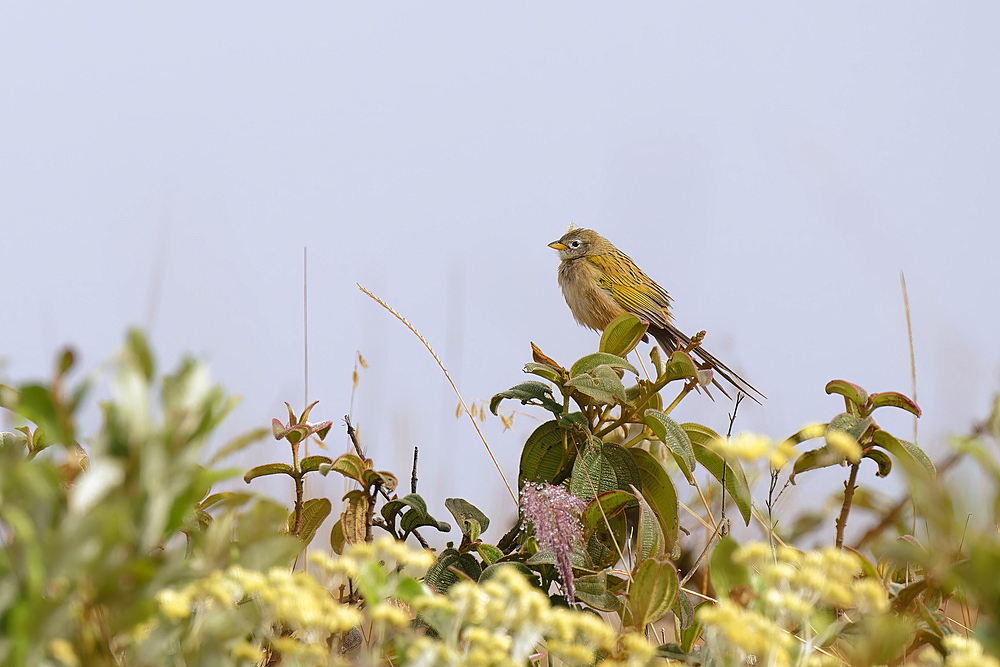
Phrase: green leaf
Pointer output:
(725, 573)
(464, 511)
(312, 463)
(673, 436)
(575, 422)
(602, 385)
(268, 469)
(137, 347)
(545, 371)
(848, 390)
(354, 519)
(337, 541)
(414, 518)
(314, 513)
(806, 433)
(907, 452)
(622, 335)
(351, 466)
(680, 366)
(36, 405)
(593, 591)
(895, 400)
(849, 424)
(239, 443)
(881, 458)
(692, 633)
(650, 542)
(304, 417)
(548, 454)
(607, 465)
(489, 553)
(736, 479)
(592, 361)
(612, 502)
(65, 362)
(445, 571)
(658, 490)
(9, 398)
(529, 393)
(814, 459)
(640, 389)
(293, 434)
(653, 591)
(391, 508)
(386, 479)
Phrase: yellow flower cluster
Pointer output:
(391, 553)
(294, 600)
(751, 447)
(733, 629)
(962, 652)
(798, 582)
(794, 587)
(501, 621)
(966, 652)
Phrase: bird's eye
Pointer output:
(574, 244)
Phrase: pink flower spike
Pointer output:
(555, 514)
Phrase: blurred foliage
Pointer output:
(116, 551)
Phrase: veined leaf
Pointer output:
(548, 454)
(601, 384)
(736, 479)
(622, 335)
(603, 467)
(726, 573)
(673, 436)
(612, 502)
(659, 492)
(268, 469)
(592, 361)
(529, 393)
(896, 400)
(653, 591)
(848, 390)
(905, 451)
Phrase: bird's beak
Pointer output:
(557, 245)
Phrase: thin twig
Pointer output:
(725, 464)
(305, 375)
(413, 475)
(849, 489)
(913, 359)
(354, 436)
(351, 431)
(716, 535)
(450, 381)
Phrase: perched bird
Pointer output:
(600, 282)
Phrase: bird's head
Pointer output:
(579, 243)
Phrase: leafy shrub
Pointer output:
(119, 552)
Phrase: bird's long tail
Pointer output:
(671, 338)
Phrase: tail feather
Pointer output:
(671, 338)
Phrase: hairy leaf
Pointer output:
(653, 591)
(622, 335)
(529, 393)
(659, 492)
(736, 479)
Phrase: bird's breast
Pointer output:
(592, 305)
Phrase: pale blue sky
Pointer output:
(774, 167)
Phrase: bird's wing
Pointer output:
(632, 288)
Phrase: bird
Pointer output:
(600, 282)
